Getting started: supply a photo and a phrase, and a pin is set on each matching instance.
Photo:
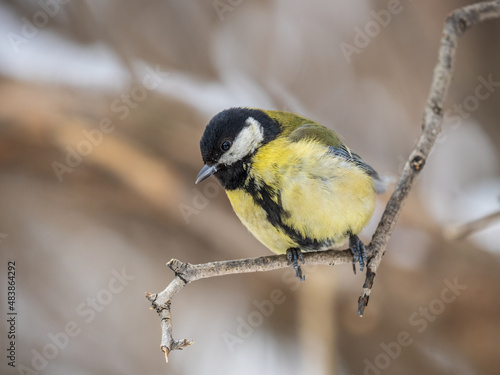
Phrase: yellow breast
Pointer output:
(323, 198)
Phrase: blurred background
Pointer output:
(102, 108)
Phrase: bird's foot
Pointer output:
(293, 255)
(358, 251)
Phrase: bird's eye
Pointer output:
(225, 145)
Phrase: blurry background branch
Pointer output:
(457, 23)
(459, 232)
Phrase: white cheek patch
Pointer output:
(250, 137)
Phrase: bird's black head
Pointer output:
(229, 141)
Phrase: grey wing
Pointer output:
(344, 152)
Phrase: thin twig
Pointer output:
(457, 23)
(186, 273)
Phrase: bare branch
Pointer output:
(186, 273)
(457, 23)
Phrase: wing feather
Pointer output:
(336, 148)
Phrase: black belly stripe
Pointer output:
(270, 201)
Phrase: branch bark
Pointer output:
(456, 24)
(186, 273)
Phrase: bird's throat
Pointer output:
(235, 175)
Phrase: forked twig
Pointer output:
(456, 24)
(186, 273)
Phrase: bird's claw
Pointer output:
(358, 251)
(294, 255)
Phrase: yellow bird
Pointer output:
(291, 181)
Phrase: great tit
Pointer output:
(291, 181)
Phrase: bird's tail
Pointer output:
(382, 183)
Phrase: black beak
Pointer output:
(206, 172)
